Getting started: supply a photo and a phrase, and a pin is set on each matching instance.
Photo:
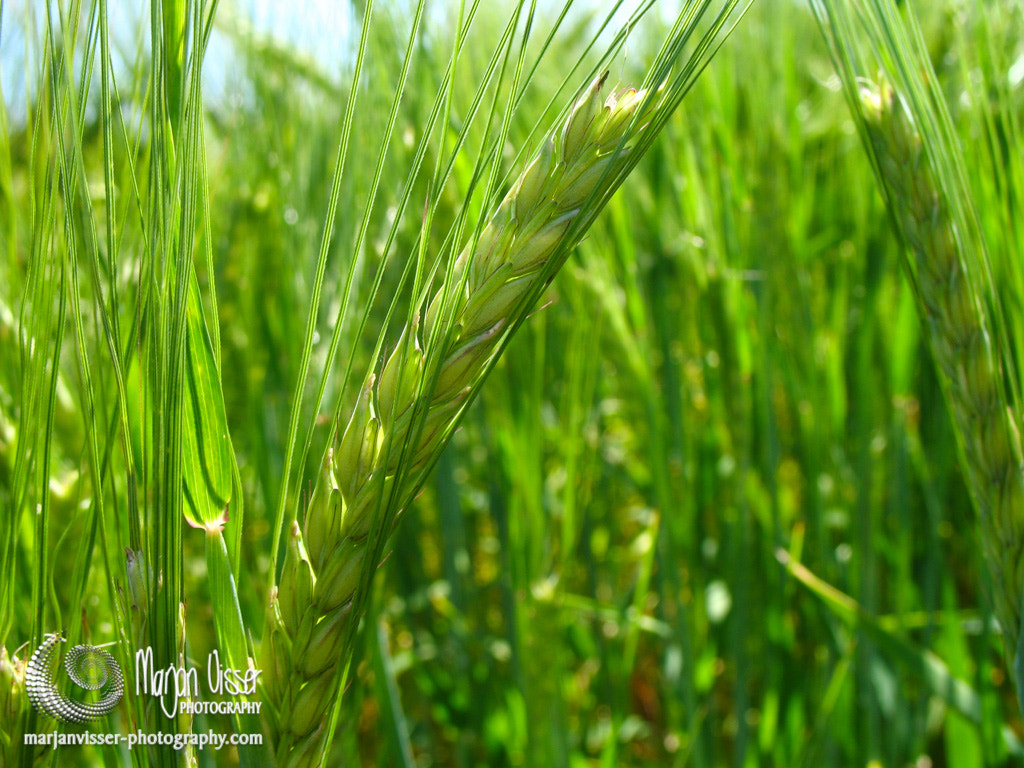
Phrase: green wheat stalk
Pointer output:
(408, 407)
(961, 343)
(529, 234)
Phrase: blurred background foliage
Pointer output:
(729, 367)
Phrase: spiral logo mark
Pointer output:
(88, 667)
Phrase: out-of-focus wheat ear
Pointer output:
(956, 323)
(12, 685)
(13, 701)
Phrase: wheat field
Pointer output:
(515, 384)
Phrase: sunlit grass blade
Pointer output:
(209, 459)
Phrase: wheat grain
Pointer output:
(522, 245)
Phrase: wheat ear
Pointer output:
(417, 397)
(960, 341)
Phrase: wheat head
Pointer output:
(417, 396)
(960, 341)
